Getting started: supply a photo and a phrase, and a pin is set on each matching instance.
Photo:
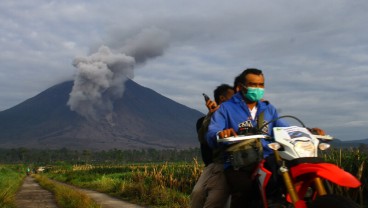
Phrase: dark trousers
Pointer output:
(242, 188)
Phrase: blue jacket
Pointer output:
(234, 113)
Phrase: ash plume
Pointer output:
(147, 44)
(100, 77)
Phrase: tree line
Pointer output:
(113, 156)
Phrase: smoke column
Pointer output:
(100, 77)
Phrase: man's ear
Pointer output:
(222, 98)
(243, 89)
(237, 88)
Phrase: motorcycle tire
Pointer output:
(333, 201)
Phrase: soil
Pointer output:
(32, 195)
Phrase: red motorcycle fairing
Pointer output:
(327, 171)
(306, 172)
(263, 176)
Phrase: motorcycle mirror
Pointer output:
(323, 146)
(274, 146)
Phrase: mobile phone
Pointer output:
(206, 98)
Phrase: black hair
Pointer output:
(237, 81)
(221, 90)
(249, 71)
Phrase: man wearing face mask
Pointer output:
(243, 111)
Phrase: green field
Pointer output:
(153, 184)
(11, 177)
(166, 184)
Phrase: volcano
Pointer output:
(142, 118)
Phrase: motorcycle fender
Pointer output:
(263, 178)
(327, 171)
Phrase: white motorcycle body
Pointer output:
(297, 142)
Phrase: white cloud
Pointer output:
(313, 53)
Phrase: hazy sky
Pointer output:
(314, 54)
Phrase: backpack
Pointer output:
(247, 154)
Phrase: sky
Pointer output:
(314, 54)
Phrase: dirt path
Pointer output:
(32, 195)
(108, 201)
(104, 200)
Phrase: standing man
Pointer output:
(211, 189)
(242, 111)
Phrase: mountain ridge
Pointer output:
(142, 118)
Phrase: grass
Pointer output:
(170, 184)
(66, 197)
(11, 177)
(156, 185)
(354, 161)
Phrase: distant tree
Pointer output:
(363, 147)
(21, 154)
(113, 156)
(87, 155)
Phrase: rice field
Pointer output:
(166, 184)
(153, 184)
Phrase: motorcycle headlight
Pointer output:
(305, 148)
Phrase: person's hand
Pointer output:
(317, 131)
(212, 106)
(227, 133)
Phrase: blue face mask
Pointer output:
(254, 94)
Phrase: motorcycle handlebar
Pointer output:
(241, 138)
(323, 137)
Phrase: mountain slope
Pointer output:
(141, 119)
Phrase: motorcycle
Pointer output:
(298, 177)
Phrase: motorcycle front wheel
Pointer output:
(333, 201)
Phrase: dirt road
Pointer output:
(32, 195)
(108, 201)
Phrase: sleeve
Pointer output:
(217, 124)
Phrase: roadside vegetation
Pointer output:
(11, 177)
(160, 184)
(66, 197)
(170, 184)
(154, 184)
(354, 161)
